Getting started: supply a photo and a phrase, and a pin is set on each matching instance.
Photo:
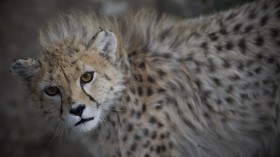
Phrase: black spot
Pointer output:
(137, 137)
(132, 90)
(229, 100)
(144, 108)
(138, 78)
(259, 41)
(204, 45)
(150, 79)
(256, 105)
(213, 36)
(229, 89)
(146, 144)
(231, 15)
(198, 83)
(229, 45)
(133, 147)
(258, 70)
(158, 149)
(242, 45)
(161, 73)
(133, 53)
(153, 135)
(166, 55)
(209, 107)
(263, 20)
(167, 134)
(149, 91)
(163, 148)
(151, 149)
(235, 77)
(278, 13)
(212, 66)
(152, 120)
(128, 98)
(142, 65)
(249, 63)
(190, 106)
(50, 71)
(237, 27)
(146, 132)
(206, 115)
(240, 66)
(160, 125)
(265, 6)
(277, 5)
(128, 153)
(274, 32)
(140, 91)
(147, 155)
(161, 136)
(165, 33)
(271, 60)
(256, 84)
(188, 123)
(129, 127)
(223, 31)
(252, 14)
(226, 64)
(266, 81)
(278, 43)
(219, 101)
(248, 28)
(158, 107)
(171, 145)
(161, 90)
(138, 114)
(218, 47)
(77, 68)
(217, 81)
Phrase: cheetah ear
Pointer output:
(24, 69)
(105, 43)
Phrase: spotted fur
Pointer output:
(204, 87)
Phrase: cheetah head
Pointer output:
(73, 83)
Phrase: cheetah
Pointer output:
(150, 85)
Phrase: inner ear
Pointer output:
(104, 43)
(24, 69)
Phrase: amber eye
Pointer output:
(87, 77)
(52, 91)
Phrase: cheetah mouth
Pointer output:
(84, 121)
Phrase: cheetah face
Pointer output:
(74, 88)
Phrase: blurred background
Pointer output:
(23, 133)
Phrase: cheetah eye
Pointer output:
(87, 77)
(52, 91)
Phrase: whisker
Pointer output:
(57, 131)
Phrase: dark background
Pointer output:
(23, 133)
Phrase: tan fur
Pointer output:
(166, 87)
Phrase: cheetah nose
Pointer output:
(78, 111)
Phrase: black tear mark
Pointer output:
(61, 108)
(90, 97)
